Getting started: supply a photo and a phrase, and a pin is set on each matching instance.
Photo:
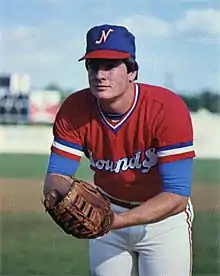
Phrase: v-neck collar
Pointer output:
(115, 125)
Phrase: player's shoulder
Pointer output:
(161, 102)
(78, 97)
(75, 103)
(160, 94)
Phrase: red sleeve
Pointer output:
(67, 140)
(174, 132)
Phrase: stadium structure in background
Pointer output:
(21, 104)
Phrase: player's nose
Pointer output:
(101, 74)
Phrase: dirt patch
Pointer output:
(24, 195)
(206, 197)
(20, 195)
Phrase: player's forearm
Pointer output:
(153, 210)
(57, 182)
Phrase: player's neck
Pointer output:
(121, 104)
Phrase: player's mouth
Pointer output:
(101, 87)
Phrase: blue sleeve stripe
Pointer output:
(68, 144)
(176, 146)
(177, 176)
(62, 165)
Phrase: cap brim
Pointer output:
(106, 54)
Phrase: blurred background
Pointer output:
(40, 43)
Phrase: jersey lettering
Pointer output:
(125, 163)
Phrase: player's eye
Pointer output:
(92, 67)
(109, 66)
(95, 65)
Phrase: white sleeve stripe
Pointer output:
(67, 149)
(175, 151)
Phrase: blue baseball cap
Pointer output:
(109, 42)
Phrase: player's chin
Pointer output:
(104, 94)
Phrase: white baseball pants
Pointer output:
(160, 249)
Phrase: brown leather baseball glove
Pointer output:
(83, 213)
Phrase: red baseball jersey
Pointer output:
(124, 154)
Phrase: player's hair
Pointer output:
(131, 65)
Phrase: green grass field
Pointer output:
(32, 166)
(31, 244)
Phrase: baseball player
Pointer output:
(139, 141)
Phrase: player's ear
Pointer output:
(132, 76)
(132, 68)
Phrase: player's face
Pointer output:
(108, 79)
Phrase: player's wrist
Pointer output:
(118, 222)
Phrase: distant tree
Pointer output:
(192, 102)
(210, 101)
(207, 99)
(63, 97)
(53, 86)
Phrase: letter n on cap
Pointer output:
(104, 36)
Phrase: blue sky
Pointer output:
(177, 41)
